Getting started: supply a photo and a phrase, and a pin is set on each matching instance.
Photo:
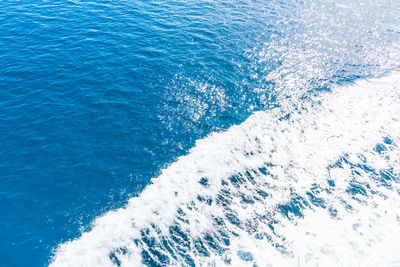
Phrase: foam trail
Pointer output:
(311, 183)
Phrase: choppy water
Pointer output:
(270, 128)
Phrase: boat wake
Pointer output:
(310, 182)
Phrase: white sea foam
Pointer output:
(310, 183)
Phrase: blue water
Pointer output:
(97, 97)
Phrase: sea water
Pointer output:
(200, 133)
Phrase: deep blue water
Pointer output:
(97, 97)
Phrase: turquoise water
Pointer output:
(97, 98)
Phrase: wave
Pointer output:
(311, 182)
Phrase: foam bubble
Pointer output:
(310, 183)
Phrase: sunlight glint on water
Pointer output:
(313, 179)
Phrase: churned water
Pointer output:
(200, 133)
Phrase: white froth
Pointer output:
(279, 189)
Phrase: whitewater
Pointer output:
(200, 133)
(312, 182)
